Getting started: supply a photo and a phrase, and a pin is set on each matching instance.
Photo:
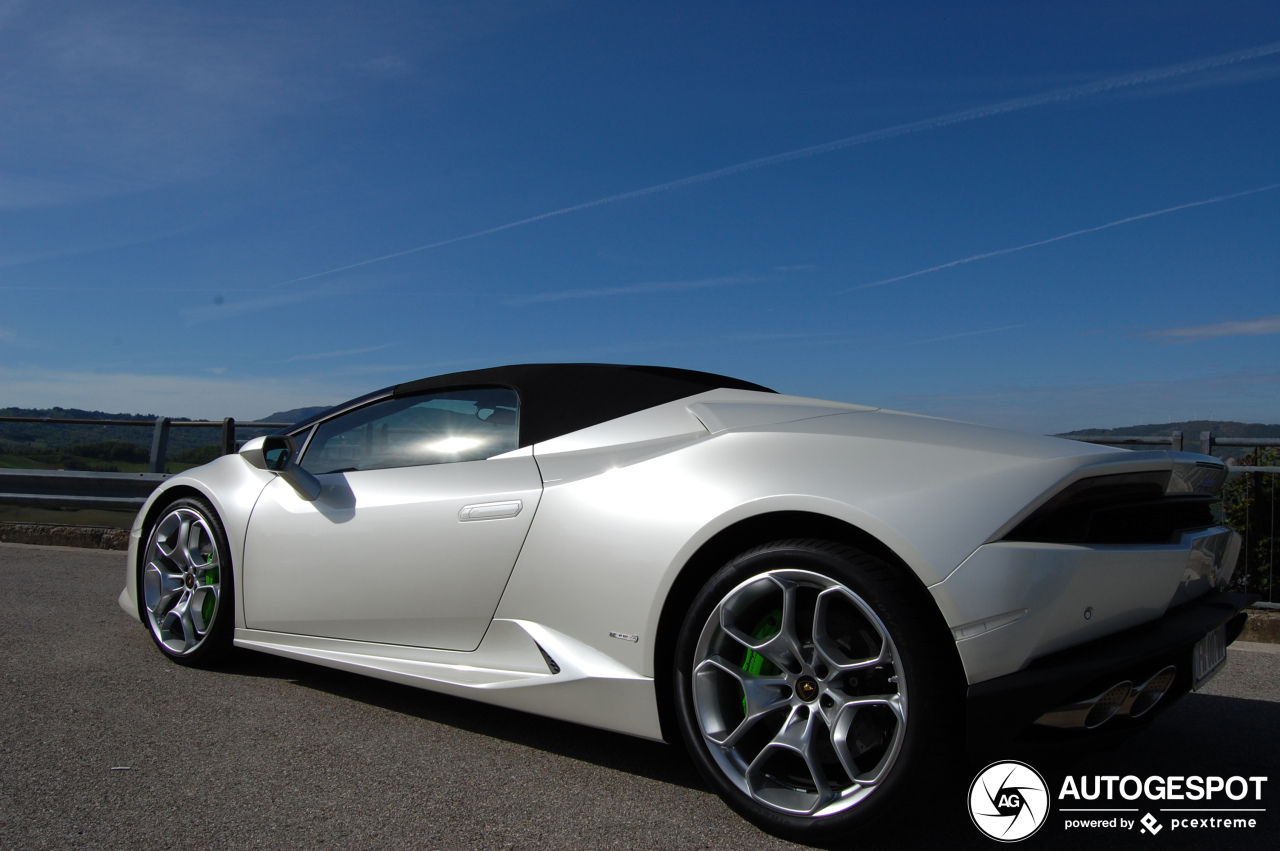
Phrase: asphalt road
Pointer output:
(274, 753)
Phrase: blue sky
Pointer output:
(190, 193)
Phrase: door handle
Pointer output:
(490, 510)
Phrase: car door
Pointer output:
(415, 532)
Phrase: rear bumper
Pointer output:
(1006, 708)
(1012, 602)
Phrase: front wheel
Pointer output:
(808, 687)
(185, 584)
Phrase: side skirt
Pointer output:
(510, 668)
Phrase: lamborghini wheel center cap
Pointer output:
(807, 689)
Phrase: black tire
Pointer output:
(186, 596)
(759, 777)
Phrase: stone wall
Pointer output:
(92, 537)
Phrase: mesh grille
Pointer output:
(1107, 705)
(1152, 692)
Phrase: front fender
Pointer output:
(232, 487)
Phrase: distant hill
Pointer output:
(1190, 428)
(38, 439)
(74, 413)
(47, 436)
(1190, 433)
(296, 415)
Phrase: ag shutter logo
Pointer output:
(1008, 801)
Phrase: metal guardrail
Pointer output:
(114, 491)
(77, 489)
(1176, 442)
(160, 431)
(128, 491)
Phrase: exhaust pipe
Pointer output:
(1107, 705)
(1089, 713)
(1122, 699)
(1148, 694)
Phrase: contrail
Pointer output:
(1074, 233)
(632, 289)
(964, 334)
(1057, 95)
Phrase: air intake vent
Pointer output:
(1124, 509)
(551, 663)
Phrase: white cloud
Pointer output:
(72, 251)
(110, 99)
(103, 99)
(232, 309)
(1243, 328)
(412, 371)
(388, 66)
(338, 354)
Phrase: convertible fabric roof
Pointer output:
(558, 398)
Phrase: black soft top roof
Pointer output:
(558, 398)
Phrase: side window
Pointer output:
(433, 428)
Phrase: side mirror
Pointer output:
(276, 452)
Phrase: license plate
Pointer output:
(1208, 656)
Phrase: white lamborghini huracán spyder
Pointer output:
(815, 598)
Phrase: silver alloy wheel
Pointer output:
(799, 692)
(181, 583)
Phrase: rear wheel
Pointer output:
(185, 584)
(807, 688)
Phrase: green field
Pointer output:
(70, 461)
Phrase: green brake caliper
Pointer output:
(753, 662)
(208, 604)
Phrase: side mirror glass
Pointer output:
(276, 452)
